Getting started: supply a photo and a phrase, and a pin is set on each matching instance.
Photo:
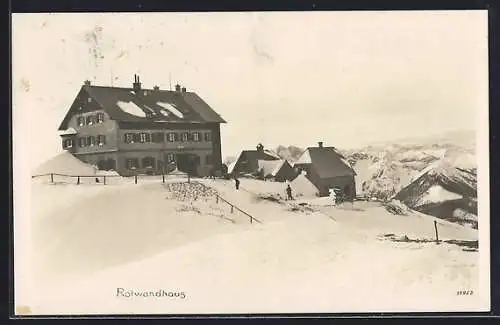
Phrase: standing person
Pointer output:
(236, 182)
(289, 192)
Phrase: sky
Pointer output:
(291, 78)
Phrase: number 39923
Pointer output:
(465, 293)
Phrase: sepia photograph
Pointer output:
(250, 162)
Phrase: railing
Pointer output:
(219, 197)
(252, 219)
(104, 177)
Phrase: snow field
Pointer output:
(131, 236)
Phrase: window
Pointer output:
(197, 137)
(208, 159)
(172, 137)
(101, 140)
(129, 138)
(81, 121)
(184, 137)
(132, 163)
(144, 137)
(158, 137)
(89, 100)
(208, 136)
(81, 142)
(100, 117)
(170, 157)
(67, 143)
(90, 141)
(148, 162)
(90, 120)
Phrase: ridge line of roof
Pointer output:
(131, 88)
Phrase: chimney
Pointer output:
(156, 88)
(87, 83)
(320, 144)
(137, 83)
(260, 147)
(178, 88)
(183, 89)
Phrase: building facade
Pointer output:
(327, 169)
(143, 131)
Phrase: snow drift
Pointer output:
(67, 164)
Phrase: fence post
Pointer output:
(51, 178)
(135, 179)
(163, 178)
(78, 181)
(104, 180)
(232, 208)
(217, 198)
(251, 220)
(436, 229)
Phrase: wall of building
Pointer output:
(341, 182)
(216, 145)
(165, 144)
(108, 128)
(160, 156)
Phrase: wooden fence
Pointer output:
(103, 179)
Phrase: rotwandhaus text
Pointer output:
(159, 293)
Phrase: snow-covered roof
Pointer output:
(131, 108)
(171, 108)
(230, 167)
(127, 105)
(69, 131)
(270, 167)
(327, 162)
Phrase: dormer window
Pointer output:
(184, 137)
(81, 121)
(100, 117)
(208, 136)
(196, 137)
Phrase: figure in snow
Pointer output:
(289, 192)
